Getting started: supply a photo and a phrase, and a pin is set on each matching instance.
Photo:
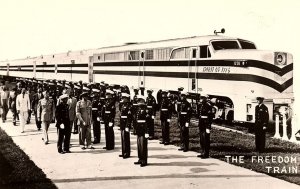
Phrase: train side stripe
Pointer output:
(250, 63)
(212, 76)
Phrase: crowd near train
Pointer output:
(81, 107)
(240, 83)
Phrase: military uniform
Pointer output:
(165, 117)
(134, 109)
(184, 116)
(63, 126)
(108, 116)
(84, 115)
(205, 115)
(96, 110)
(142, 135)
(261, 123)
(151, 105)
(125, 122)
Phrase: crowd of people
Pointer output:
(83, 108)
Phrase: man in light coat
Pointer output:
(23, 106)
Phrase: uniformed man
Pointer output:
(125, 122)
(84, 115)
(72, 102)
(184, 116)
(134, 109)
(165, 117)
(45, 113)
(77, 92)
(63, 125)
(142, 132)
(205, 114)
(36, 98)
(96, 111)
(151, 105)
(108, 116)
(261, 123)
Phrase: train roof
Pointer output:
(186, 41)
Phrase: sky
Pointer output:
(37, 27)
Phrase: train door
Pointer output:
(90, 69)
(34, 69)
(141, 71)
(193, 70)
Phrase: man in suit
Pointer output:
(35, 100)
(23, 106)
(45, 113)
(63, 125)
(261, 123)
(4, 95)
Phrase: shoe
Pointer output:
(137, 162)
(121, 155)
(161, 142)
(202, 156)
(83, 148)
(61, 152)
(46, 142)
(143, 164)
(39, 129)
(14, 123)
(22, 132)
(91, 148)
(167, 143)
(75, 132)
(104, 148)
(185, 150)
(180, 149)
(67, 151)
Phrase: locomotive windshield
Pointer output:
(221, 45)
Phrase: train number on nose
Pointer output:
(216, 69)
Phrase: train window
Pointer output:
(149, 54)
(181, 53)
(221, 45)
(194, 55)
(133, 55)
(114, 56)
(247, 44)
(204, 52)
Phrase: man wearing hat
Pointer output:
(108, 115)
(142, 132)
(34, 103)
(96, 110)
(205, 114)
(63, 125)
(84, 115)
(184, 116)
(72, 101)
(45, 113)
(151, 105)
(134, 109)
(125, 122)
(165, 117)
(261, 123)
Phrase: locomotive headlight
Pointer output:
(280, 58)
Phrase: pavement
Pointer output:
(98, 168)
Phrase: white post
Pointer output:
(284, 127)
(277, 135)
(293, 132)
